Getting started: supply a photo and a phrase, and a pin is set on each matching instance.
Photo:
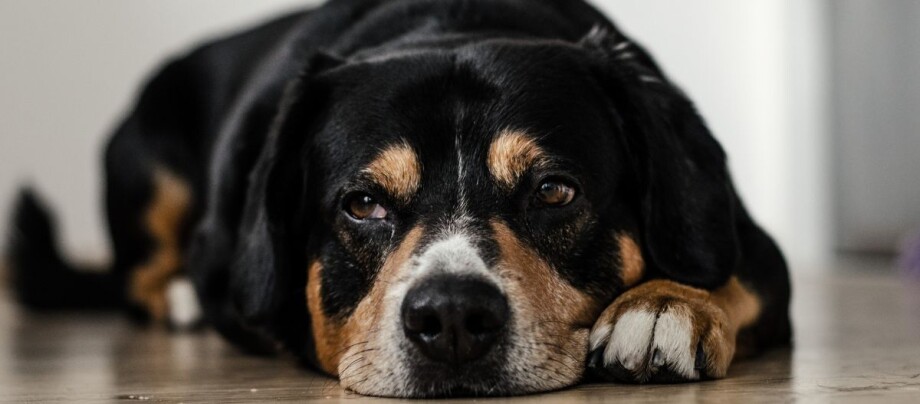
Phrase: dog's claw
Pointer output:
(596, 358)
(700, 362)
(657, 359)
(600, 371)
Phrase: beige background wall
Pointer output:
(69, 70)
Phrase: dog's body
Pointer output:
(430, 197)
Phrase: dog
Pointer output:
(429, 198)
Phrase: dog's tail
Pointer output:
(41, 277)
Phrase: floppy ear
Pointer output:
(687, 201)
(264, 288)
(256, 267)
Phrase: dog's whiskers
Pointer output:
(343, 350)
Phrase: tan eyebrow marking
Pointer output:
(511, 154)
(397, 169)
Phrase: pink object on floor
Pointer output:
(910, 257)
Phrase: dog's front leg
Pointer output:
(662, 331)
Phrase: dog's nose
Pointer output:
(454, 319)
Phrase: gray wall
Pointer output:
(876, 131)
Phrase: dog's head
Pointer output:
(461, 215)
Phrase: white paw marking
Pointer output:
(639, 334)
(674, 343)
(184, 310)
(629, 342)
(600, 335)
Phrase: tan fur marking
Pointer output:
(631, 262)
(397, 170)
(325, 333)
(547, 290)
(333, 339)
(742, 308)
(555, 310)
(511, 154)
(165, 214)
(740, 304)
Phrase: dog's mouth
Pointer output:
(511, 368)
(483, 377)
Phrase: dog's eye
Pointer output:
(555, 192)
(362, 206)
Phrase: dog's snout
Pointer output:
(453, 319)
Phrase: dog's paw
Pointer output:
(661, 332)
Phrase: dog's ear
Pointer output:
(687, 205)
(271, 238)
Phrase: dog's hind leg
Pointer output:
(149, 210)
(153, 176)
(163, 220)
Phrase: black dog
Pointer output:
(431, 197)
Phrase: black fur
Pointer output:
(685, 183)
(271, 126)
(42, 279)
